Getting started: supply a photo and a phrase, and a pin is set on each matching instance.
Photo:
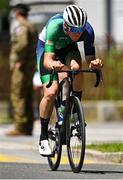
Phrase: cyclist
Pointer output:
(56, 47)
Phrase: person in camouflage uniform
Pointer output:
(22, 65)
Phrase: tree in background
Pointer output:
(4, 4)
(4, 48)
(4, 8)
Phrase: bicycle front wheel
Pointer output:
(76, 135)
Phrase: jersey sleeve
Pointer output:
(51, 37)
(89, 46)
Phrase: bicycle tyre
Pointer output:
(54, 137)
(76, 163)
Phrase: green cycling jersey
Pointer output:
(55, 36)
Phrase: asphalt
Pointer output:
(96, 132)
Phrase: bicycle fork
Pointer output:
(64, 127)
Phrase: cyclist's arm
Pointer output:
(50, 62)
(50, 45)
(48, 58)
(89, 59)
(89, 48)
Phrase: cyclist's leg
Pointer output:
(74, 61)
(46, 104)
(70, 56)
(46, 108)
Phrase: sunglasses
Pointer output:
(72, 29)
(76, 29)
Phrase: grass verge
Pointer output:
(111, 147)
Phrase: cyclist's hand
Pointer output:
(96, 64)
(56, 65)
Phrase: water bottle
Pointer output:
(60, 114)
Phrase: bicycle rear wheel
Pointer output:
(76, 135)
(55, 144)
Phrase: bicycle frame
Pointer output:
(69, 80)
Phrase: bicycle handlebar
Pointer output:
(99, 76)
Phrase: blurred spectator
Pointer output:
(22, 65)
(38, 93)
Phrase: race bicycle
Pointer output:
(72, 131)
